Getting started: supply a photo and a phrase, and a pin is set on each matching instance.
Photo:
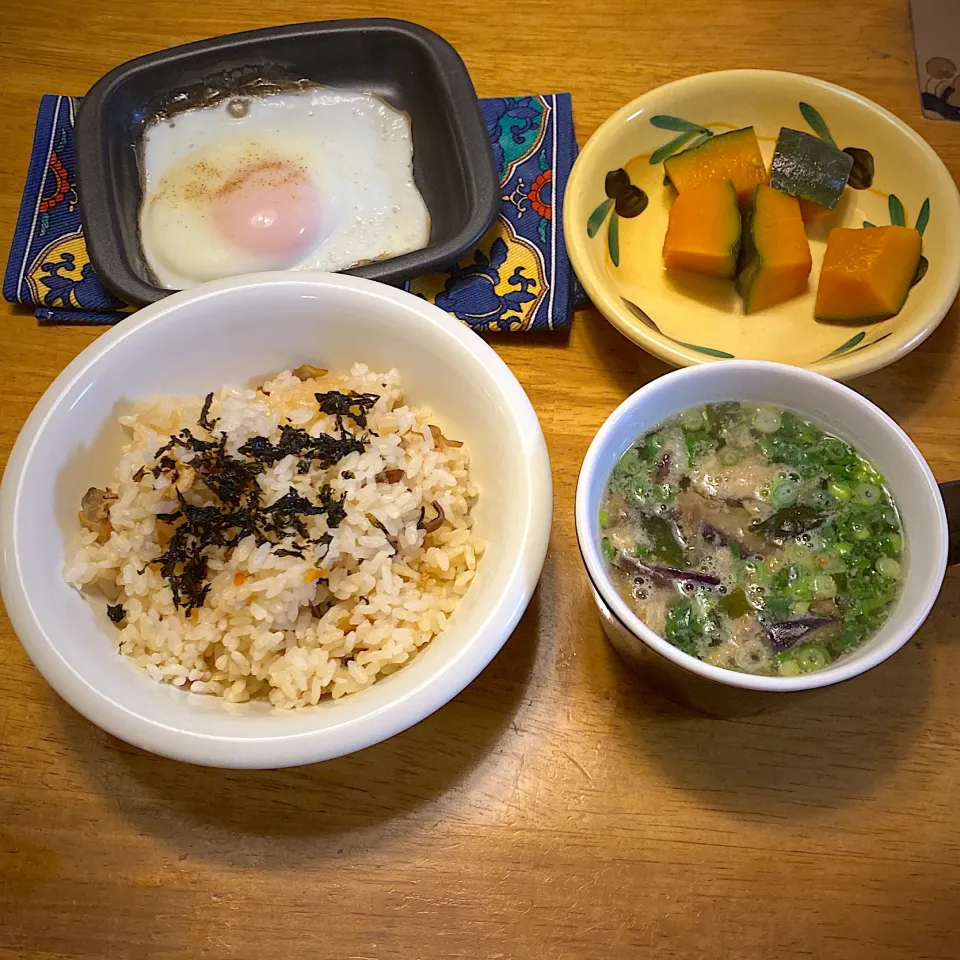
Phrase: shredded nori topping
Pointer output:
(237, 511)
(325, 449)
(164, 463)
(116, 613)
(205, 420)
(354, 406)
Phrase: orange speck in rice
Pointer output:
(239, 578)
(317, 573)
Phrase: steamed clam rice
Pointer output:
(288, 543)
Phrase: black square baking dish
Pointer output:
(410, 67)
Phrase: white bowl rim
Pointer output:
(668, 350)
(278, 750)
(595, 567)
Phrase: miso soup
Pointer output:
(751, 539)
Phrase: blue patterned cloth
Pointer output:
(517, 278)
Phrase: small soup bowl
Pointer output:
(927, 525)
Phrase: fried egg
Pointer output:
(317, 179)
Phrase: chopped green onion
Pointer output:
(641, 549)
(604, 518)
(654, 443)
(819, 499)
(839, 491)
(811, 657)
(788, 668)
(850, 636)
(889, 568)
(825, 587)
(784, 492)
(693, 418)
(861, 531)
(894, 542)
(606, 548)
(889, 517)
(868, 494)
(842, 548)
(766, 420)
(729, 456)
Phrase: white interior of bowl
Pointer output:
(240, 331)
(834, 407)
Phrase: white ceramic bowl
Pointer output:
(238, 331)
(831, 405)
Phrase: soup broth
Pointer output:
(751, 539)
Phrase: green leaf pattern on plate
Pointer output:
(884, 337)
(674, 146)
(898, 216)
(923, 218)
(709, 351)
(597, 217)
(817, 123)
(613, 240)
(665, 122)
(848, 345)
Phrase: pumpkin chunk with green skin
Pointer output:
(703, 233)
(727, 156)
(775, 256)
(807, 167)
(867, 273)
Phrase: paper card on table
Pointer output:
(936, 44)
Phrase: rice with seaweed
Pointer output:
(286, 543)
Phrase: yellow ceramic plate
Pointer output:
(614, 225)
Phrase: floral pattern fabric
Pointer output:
(517, 278)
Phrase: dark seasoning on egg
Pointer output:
(232, 88)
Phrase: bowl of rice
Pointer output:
(274, 519)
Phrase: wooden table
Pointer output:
(557, 809)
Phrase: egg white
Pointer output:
(356, 149)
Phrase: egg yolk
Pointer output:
(271, 209)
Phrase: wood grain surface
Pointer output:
(556, 809)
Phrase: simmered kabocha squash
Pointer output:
(812, 169)
(727, 156)
(812, 212)
(867, 273)
(774, 253)
(703, 233)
